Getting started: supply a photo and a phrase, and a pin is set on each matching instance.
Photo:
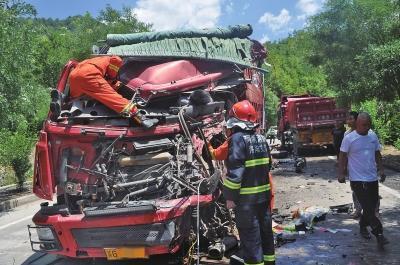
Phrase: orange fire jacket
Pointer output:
(221, 153)
(88, 78)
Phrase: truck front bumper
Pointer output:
(161, 231)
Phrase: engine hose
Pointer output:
(138, 182)
(137, 192)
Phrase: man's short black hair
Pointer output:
(354, 114)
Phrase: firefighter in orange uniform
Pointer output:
(246, 187)
(97, 78)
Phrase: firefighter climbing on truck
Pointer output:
(247, 186)
(97, 78)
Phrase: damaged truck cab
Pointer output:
(123, 192)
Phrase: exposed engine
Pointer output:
(131, 170)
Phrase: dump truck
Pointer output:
(307, 121)
(116, 190)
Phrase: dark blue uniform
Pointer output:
(247, 184)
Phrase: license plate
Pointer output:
(126, 253)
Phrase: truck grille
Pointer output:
(137, 235)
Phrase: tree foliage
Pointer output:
(351, 36)
(292, 73)
(33, 52)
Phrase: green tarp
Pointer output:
(230, 50)
(238, 31)
(221, 44)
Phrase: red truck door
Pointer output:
(43, 181)
(43, 184)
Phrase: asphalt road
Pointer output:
(15, 247)
(317, 186)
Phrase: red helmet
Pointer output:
(242, 115)
(113, 67)
(244, 111)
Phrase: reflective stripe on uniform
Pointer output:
(254, 190)
(262, 263)
(256, 162)
(114, 67)
(269, 257)
(231, 185)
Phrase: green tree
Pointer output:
(343, 32)
(357, 44)
(291, 72)
(19, 111)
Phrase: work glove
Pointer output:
(133, 112)
(139, 119)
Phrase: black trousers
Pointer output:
(254, 224)
(368, 195)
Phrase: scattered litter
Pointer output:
(342, 208)
(298, 202)
(281, 240)
(330, 230)
(310, 183)
(280, 218)
(278, 228)
(310, 215)
(302, 186)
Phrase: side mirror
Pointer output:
(95, 49)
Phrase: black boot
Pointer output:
(381, 240)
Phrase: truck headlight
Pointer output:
(45, 234)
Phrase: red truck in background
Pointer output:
(123, 192)
(307, 121)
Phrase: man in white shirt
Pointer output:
(360, 154)
(351, 123)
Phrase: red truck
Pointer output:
(306, 121)
(123, 192)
